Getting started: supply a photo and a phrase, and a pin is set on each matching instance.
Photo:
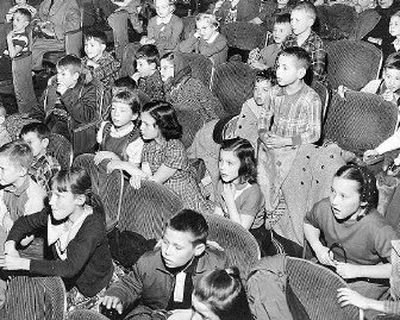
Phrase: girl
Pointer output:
(356, 237)
(239, 197)
(220, 295)
(76, 233)
(206, 40)
(187, 93)
(393, 45)
(164, 30)
(164, 158)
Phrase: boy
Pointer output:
(163, 279)
(101, 65)
(20, 4)
(266, 58)
(302, 19)
(147, 75)
(44, 166)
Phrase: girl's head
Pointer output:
(237, 161)
(164, 7)
(167, 66)
(265, 80)
(385, 4)
(159, 120)
(353, 192)
(71, 190)
(391, 72)
(206, 25)
(219, 295)
(394, 25)
(125, 108)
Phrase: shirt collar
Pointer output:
(213, 37)
(121, 133)
(18, 191)
(165, 20)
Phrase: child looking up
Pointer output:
(302, 19)
(206, 40)
(44, 166)
(147, 75)
(20, 4)
(164, 30)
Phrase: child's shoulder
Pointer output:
(315, 39)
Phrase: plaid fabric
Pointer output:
(152, 86)
(315, 47)
(107, 71)
(43, 169)
(61, 149)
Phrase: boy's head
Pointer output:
(147, 60)
(282, 28)
(184, 238)
(21, 19)
(206, 25)
(385, 4)
(95, 43)
(124, 84)
(164, 7)
(394, 25)
(303, 17)
(37, 136)
(125, 108)
(391, 72)
(15, 159)
(265, 79)
(69, 69)
(366, 4)
(293, 64)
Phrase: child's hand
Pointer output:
(324, 255)
(143, 40)
(7, 223)
(228, 192)
(256, 20)
(370, 154)
(102, 155)
(111, 302)
(136, 76)
(10, 35)
(61, 88)
(347, 297)
(181, 314)
(91, 63)
(341, 91)
(136, 182)
(197, 35)
(388, 95)
(347, 270)
(377, 41)
(115, 165)
(274, 141)
(258, 65)
(8, 262)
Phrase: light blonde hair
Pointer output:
(210, 18)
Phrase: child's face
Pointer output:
(229, 165)
(392, 79)
(63, 204)
(66, 77)
(384, 4)
(394, 26)
(281, 31)
(94, 48)
(288, 70)
(163, 8)
(345, 198)
(300, 21)
(177, 248)
(261, 92)
(19, 22)
(144, 68)
(121, 114)
(364, 3)
(9, 171)
(20, 2)
(205, 29)
(166, 70)
(282, 3)
(37, 145)
(148, 127)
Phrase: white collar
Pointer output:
(213, 37)
(396, 44)
(165, 20)
(121, 133)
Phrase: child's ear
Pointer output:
(103, 47)
(45, 143)
(22, 171)
(76, 76)
(301, 73)
(199, 249)
(81, 199)
(135, 116)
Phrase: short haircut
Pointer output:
(308, 8)
(39, 128)
(191, 221)
(18, 152)
(282, 18)
(166, 118)
(266, 75)
(392, 61)
(71, 62)
(96, 35)
(396, 14)
(150, 53)
(300, 54)
(124, 83)
(128, 97)
(210, 18)
(24, 12)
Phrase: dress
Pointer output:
(172, 154)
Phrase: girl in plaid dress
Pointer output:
(164, 158)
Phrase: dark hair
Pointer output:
(166, 118)
(266, 75)
(39, 128)
(308, 7)
(150, 53)
(300, 54)
(24, 12)
(392, 61)
(191, 221)
(282, 18)
(96, 35)
(243, 149)
(366, 183)
(223, 292)
(18, 152)
(71, 62)
(128, 97)
(124, 83)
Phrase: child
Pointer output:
(20, 4)
(76, 234)
(4, 135)
(164, 30)
(266, 58)
(206, 40)
(357, 239)
(302, 19)
(164, 158)
(364, 5)
(389, 47)
(44, 166)
(101, 65)
(147, 75)
(19, 51)
(271, 9)
(220, 295)
(228, 11)
(239, 196)
(163, 279)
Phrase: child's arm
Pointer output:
(392, 143)
(323, 254)
(346, 297)
(190, 44)
(353, 271)
(318, 56)
(15, 46)
(106, 70)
